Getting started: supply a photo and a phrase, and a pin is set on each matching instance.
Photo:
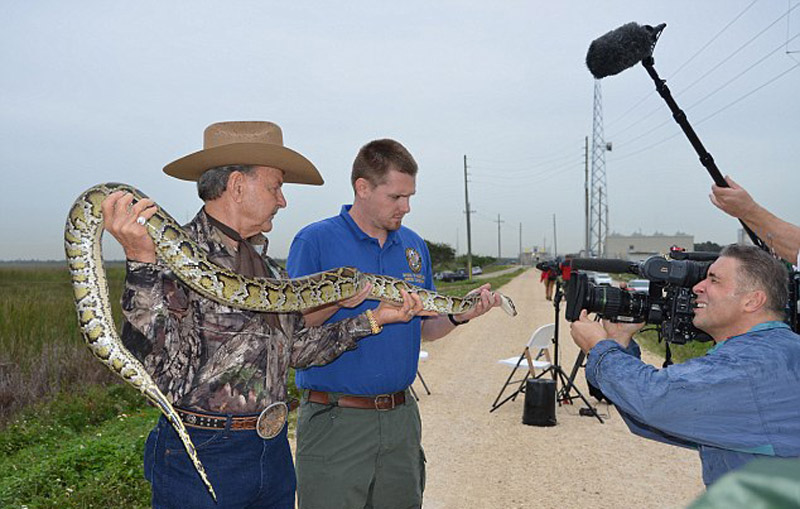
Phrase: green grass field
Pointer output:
(460, 288)
(70, 434)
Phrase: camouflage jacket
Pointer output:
(211, 357)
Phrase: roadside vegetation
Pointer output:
(648, 340)
(460, 288)
(41, 351)
(71, 435)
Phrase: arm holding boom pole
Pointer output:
(781, 236)
(706, 158)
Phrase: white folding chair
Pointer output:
(422, 356)
(538, 347)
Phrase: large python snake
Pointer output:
(82, 234)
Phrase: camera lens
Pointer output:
(607, 301)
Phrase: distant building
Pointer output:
(639, 247)
(532, 256)
(743, 238)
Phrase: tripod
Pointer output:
(567, 382)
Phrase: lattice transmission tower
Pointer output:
(598, 195)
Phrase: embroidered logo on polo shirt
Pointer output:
(414, 260)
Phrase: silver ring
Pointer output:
(141, 220)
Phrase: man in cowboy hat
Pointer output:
(359, 430)
(225, 369)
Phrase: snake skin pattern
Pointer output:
(82, 234)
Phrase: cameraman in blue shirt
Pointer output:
(740, 401)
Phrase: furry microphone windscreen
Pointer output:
(621, 48)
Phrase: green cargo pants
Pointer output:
(352, 458)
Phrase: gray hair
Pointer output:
(761, 271)
(212, 183)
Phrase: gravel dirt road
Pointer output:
(482, 460)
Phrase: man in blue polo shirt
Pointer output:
(737, 403)
(359, 431)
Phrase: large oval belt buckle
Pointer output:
(272, 420)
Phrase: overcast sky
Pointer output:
(112, 91)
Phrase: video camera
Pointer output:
(556, 266)
(668, 302)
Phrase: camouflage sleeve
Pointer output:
(145, 307)
(316, 346)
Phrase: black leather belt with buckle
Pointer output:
(379, 402)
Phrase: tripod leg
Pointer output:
(568, 385)
(564, 393)
(423, 383)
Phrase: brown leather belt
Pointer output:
(379, 402)
(206, 421)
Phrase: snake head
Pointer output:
(508, 305)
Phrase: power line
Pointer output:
(739, 49)
(499, 175)
(715, 113)
(743, 72)
(490, 163)
(706, 74)
(702, 99)
(788, 27)
(682, 66)
(706, 45)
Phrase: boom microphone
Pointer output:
(621, 48)
(605, 265)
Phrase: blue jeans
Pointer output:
(245, 470)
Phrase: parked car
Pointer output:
(639, 285)
(476, 270)
(449, 276)
(601, 279)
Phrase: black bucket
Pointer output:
(540, 403)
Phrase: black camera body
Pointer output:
(668, 303)
(557, 266)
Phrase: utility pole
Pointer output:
(555, 238)
(586, 251)
(520, 243)
(469, 230)
(498, 236)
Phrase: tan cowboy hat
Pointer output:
(255, 143)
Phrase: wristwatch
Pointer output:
(453, 320)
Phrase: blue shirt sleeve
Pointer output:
(304, 257)
(428, 268)
(702, 401)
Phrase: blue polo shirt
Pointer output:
(382, 363)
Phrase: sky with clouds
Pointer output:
(112, 91)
